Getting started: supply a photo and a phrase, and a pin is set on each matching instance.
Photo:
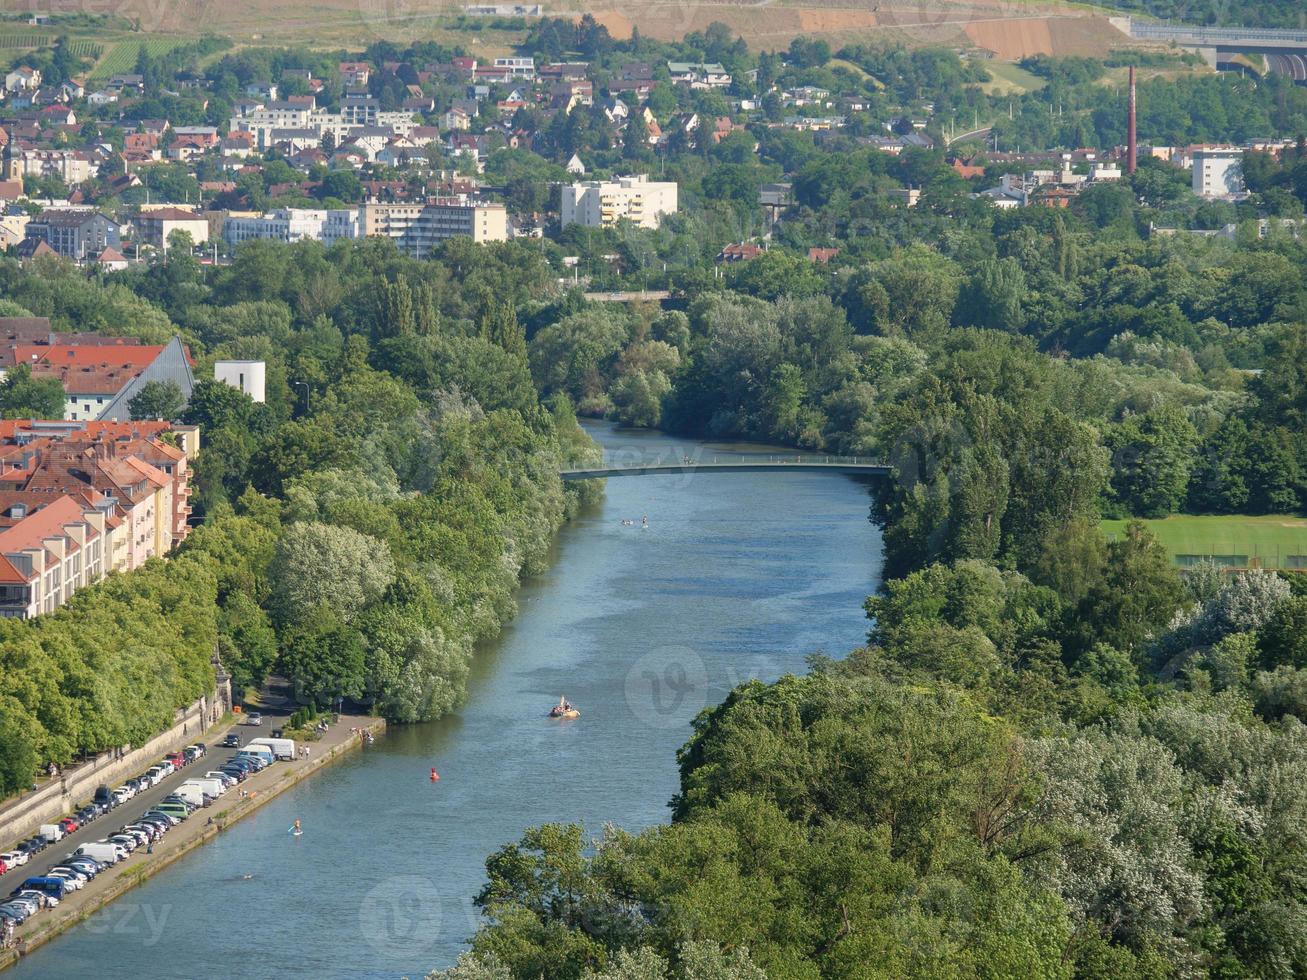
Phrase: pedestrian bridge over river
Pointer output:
(856, 466)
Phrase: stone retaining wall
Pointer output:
(21, 818)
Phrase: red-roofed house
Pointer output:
(50, 554)
(100, 380)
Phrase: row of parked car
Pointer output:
(38, 892)
(105, 799)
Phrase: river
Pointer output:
(737, 576)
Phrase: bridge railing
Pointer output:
(1217, 35)
(689, 462)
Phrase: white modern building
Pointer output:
(1218, 171)
(247, 376)
(418, 227)
(518, 67)
(600, 203)
(294, 224)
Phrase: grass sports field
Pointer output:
(1270, 542)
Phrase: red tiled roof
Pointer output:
(89, 370)
(45, 523)
(10, 575)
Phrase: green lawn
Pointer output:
(121, 58)
(1010, 79)
(1270, 542)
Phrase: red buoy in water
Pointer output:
(435, 776)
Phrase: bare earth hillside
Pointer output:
(1008, 29)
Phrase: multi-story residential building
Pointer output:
(517, 67)
(78, 233)
(50, 553)
(101, 375)
(25, 446)
(1218, 171)
(293, 225)
(154, 225)
(418, 227)
(270, 124)
(147, 506)
(71, 166)
(601, 203)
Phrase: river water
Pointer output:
(737, 576)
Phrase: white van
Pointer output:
(106, 852)
(282, 748)
(52, 832)
(191, 794)
(206, 784)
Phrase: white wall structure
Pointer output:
(600, 203)
(246, 376)
(1218, 171)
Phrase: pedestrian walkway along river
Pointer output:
(737, 576)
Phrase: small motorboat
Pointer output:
(563, 709)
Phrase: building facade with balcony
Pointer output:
(601, 203)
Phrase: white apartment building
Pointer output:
(266, 122)
(420, 227)
(294, 224)
(1218, 171)
(600, 203)
(518, 67)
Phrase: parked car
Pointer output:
(4, 868)
(47, 901)
(75, 880)
(134, 833)
(178, 759)
(17, 914)
(15, 858)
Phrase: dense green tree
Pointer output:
(158, 400)
(23, 396)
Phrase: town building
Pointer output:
(1218, 171)
(78, 233)
(48, 554)
(601, 203)
(154, 225)
(81, 499)
(418, 227)
(293, 225)
(101, 375)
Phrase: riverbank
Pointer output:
(261, 788)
